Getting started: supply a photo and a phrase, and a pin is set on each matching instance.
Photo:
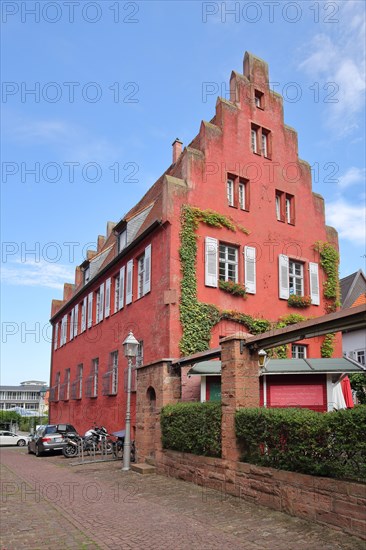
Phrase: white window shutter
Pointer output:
(101, 302)
(129, 282)
(90, 309)
(64, 329)
(76, 320)
(314, 283)
(283, 267)
(107, 297)
(250, 269)
(72, 324)
(83, 314)
(55, 336)
(147, 270)
(211, 262)
(121, 297)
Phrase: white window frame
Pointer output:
(299, 351)
(360, 354)
(84, 306)
(226, 262)
(288, 209)
(278, 207)
(114, 369)
(242, 196)
(116, 292)
(95, 375)
(122, 240)
(129, 282)
(90, 310)
(230, 192)
(250, 258)
(55, 343)
(254, 140)
(264, 144)
(294, 278)
(140, 276)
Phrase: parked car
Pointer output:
(50, 437)
(10, 438)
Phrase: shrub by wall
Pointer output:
(331, 444)
(192, 428)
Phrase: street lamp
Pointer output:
(130, 346)
(42, 392)
(262, 356)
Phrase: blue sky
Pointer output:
(114, 83)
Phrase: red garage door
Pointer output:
(308, 391)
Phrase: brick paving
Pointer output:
(47, 503)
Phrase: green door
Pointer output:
(215, 390)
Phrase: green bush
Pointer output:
(300, 440)
(192, 428)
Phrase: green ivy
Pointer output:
(233, 288)
(327, 347)
(329, 261)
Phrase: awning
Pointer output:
(288, 366)
(206, 368)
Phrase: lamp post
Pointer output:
(42, 392)
(130, 346)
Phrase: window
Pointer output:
(116, 293)
(86, 275)
(242, 196)
(144, 273)
(114, 361)
(230, 192)
(55, 342)
(140, 354)
(107, 303)
(140, 276)
(99, 308)
(258, 99)
(122, 240)
(360, 356)
(80, 381)
(288, 216)
(228, 263)
(254, 138)
(296, 278)
(278, 206)
(290, 209)
(264, 145)
(83, 314)
(95, 369)
(299, 352)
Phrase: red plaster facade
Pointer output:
(270, 195)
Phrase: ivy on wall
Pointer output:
(197, 318)
(327, 347)
(329, 261)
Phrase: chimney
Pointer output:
(177, 149)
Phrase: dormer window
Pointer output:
(86, 275)
(122, 240)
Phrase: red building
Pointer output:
(224, 240)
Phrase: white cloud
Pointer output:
(37, 274)
(349, 220)
(353, 176)
(337, 55)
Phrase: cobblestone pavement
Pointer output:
(48, 503)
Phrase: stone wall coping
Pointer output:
(164, 360)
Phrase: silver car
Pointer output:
(49, 438)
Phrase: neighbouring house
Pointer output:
(228, 239)
(27, 398)
(353, 292)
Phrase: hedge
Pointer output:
(300, 440)
(192, 428)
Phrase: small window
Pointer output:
(228, 263)
(95, 372)
(114, 361)
(278, 207)
(290, 209)
(360, 356)
(140, 354)
(264, 145)
(259, 99)
(299, 352)
(116, 293)
(230, 192)
(122, 240)
(296, 278)
(80, 381)
(86, 275)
